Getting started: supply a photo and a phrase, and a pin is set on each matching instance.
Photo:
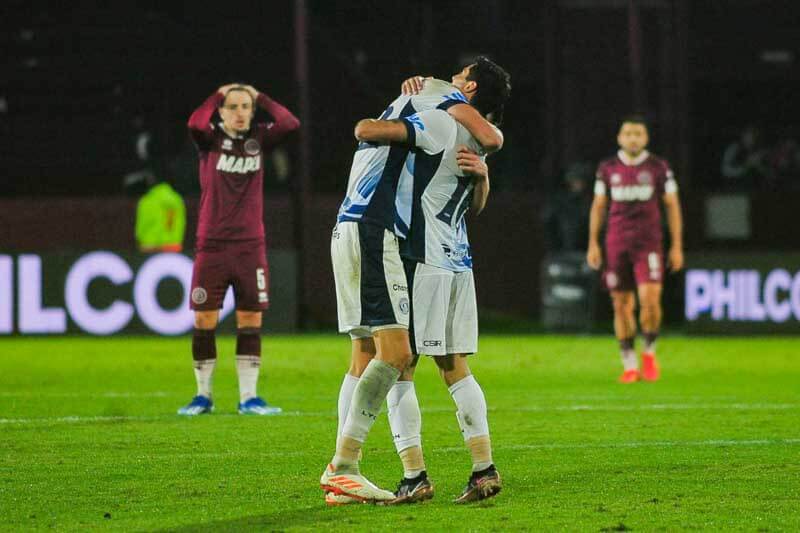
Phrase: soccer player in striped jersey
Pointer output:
(372, 294)
(433, 152)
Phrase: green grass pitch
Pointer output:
(89, 438)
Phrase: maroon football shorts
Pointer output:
(242, 264)
(629, 266)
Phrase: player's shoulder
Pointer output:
(606, 164)
(660, 163)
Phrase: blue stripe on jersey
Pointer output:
(381, 208)
(425, 166)
(402, 202)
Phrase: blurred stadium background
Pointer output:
(93, 93)
(85, 88)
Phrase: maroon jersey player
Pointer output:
(630, 187)
(230, 234)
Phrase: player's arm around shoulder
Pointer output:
(381, 131)
(487, 134)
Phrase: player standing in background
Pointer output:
(372, 294)
(635, 181)
(230, 246)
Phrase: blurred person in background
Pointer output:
(630, 186)
(230, 234)
(160, 217)
(744, 161)
(566, 215)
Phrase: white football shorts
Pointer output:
(444, 310)
(371, 288)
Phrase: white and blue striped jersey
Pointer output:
(441, 195)
(380, 187)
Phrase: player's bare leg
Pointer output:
(472, 419)
(393, 354)
(204, 356)
(624, 303)
(405, 421)
(650, 320)
(248, 364)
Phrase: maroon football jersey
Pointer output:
(634, 188)
(232, 170)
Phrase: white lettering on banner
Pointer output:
(89, 267)
(33, 318)
(6, 294)
(738, 295)
(157, 268)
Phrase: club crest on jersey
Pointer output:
(199, 295)
(252, 147)
(645, 178)
(238, 165)
(227, 144)
(615, 179)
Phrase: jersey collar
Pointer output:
(638, 160)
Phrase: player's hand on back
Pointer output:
(594, 256)
(413, 85)
(675, 260)
(470, 163)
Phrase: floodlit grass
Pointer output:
(89, 438)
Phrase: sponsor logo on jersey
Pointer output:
(252, 147)
(616, 179)
(227, 144)
(238, 165)
(416, 121)
(645, 178)
(632, 193)
(199, 295)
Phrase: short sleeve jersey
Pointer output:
(635, 188)
(380, 185)
(442, 194)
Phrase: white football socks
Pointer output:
(368, 397)
(345, 397)
(629, 359)
(204, 375)
(247, 366)
(405, 421)
(473, 421)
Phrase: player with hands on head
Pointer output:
(230, 249)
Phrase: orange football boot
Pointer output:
(630, 376)
(650, 369)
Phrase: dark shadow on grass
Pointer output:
(318, 515)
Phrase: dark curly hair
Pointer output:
(494, 88)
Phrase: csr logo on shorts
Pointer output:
(430, 344)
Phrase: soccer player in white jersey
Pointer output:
(436, 158)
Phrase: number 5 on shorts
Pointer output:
(261, 281)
